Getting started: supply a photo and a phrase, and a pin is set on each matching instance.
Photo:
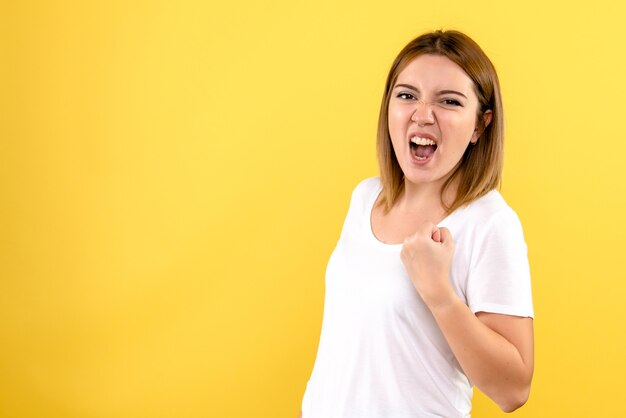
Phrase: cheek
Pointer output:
(458, 127)
(396, 119)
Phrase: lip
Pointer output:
(424, 135)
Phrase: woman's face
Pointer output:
(432, 118)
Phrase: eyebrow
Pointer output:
(452, 92)
(410, 87)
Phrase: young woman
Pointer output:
(428, 290)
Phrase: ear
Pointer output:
(487, 116)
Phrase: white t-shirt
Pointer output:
(381, 354)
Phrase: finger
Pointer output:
(446, 236)
(436, 235)
(426, 229)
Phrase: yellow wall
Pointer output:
(174, 176)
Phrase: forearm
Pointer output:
(494, 350)
(492, 363)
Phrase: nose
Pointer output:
(423, 114)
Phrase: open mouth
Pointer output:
(422, 148)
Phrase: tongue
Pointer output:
(424, 151)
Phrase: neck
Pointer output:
(419, 197)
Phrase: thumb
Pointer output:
(436, 234)
(446, 236)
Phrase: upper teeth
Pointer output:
(422, 141)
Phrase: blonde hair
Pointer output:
(480, 168)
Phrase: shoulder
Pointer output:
(498, 274)
(369, 185)
(492, 211)
(486, 219)
(363, 196)
(493, 230)
(366, 189)
(361, 201)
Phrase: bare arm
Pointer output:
(494, 350)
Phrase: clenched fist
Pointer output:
(427, 257)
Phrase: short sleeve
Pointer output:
(499, 274)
